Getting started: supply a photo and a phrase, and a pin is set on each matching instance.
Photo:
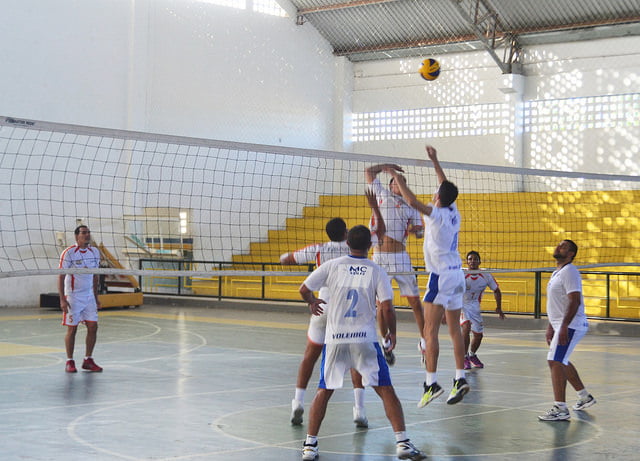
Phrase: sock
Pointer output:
(400, 436)
(561, 405)
(69, 358)
(358, 395)
(471, 354)
(87, 358)
(299, 396)
(311, 440)
(423, 344)
(431, 378)
(583, 394)
(460, 374)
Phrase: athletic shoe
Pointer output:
(90, 365)
(555, 414)
(467, 363)
(475, 361)
(360, 417)
(406, 450)
(310, 452)
(390, 357)
(581, 404)
(460, 388)
(297, 409)
(70, 367)
(430, 392)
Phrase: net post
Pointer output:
(537, 308)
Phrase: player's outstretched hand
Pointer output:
(371, 198)
(388, 167)
(431, 153)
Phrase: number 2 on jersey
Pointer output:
(353, 296)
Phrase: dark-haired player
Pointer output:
(446, 280)
(79, 297)
(471, 316)
(351, 341)
(319, 253)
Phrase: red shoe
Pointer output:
(70, 367)
(90, 365)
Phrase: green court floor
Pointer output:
(216, 382)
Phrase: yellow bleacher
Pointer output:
(510, 230)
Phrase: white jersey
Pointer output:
(397, 214)
(354, 284)
(563, 281)
(321, 252)
(475, 284)
(75, 257)
(441, 239)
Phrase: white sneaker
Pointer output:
(406, 450)
(310, 452)
(581, 404)
(297, 409)
(555, 414)
(360, 417)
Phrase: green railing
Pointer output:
(607, 294)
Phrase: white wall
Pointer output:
(553, 72)
(176, 67)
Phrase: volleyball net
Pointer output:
(154, 200)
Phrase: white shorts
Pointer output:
(474, 316)
(82, 308)
(318, 323)
(446, 289)
(366, 358)
(559, 353)
(399, 262)
(317, 329)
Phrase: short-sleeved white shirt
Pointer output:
(441, 239)
(75, 257)
(397, 214)
(563, 281)
(353, 284)
(475, 284)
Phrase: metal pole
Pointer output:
(609, 295)
(537, 307)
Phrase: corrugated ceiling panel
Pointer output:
(353, 28)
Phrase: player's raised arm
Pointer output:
(372, 200)
(433, 156)
(371, 172)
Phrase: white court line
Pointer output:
(215, 427)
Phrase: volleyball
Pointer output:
(430, 69)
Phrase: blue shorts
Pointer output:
(366, 358)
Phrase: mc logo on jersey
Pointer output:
(357, 270)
